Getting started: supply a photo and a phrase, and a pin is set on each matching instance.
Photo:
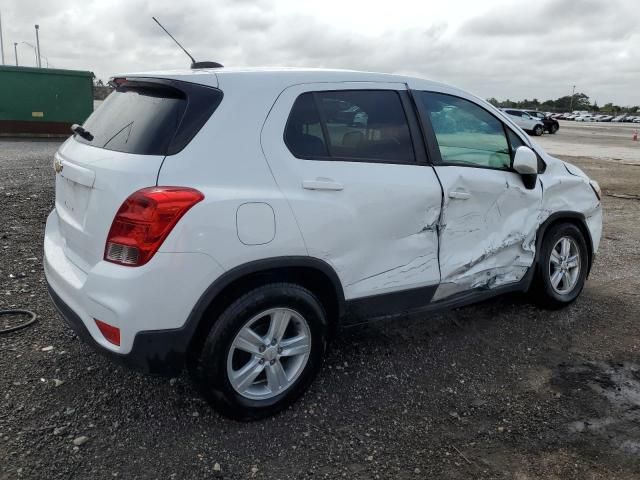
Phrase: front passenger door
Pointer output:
(489, 219)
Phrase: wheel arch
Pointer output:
(575, 218)
(312, 273)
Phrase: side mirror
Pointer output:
(525, 162)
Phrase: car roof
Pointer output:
(278, 79)
(281, 75)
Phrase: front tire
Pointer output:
(562, 267)
(263, 352)
(554, 129)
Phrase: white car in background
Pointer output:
(525, 121)
(231, 220)
(585, 118)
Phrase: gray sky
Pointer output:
(494, 48)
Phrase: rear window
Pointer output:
(150, 117)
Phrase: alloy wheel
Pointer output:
(269, 353)
(564, 265)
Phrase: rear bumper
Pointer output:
(155, 352)
(149, 304)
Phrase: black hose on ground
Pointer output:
(30, 321)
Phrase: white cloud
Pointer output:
(494, 48)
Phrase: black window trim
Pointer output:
(417, 141)
(432, 142)
(185, 88)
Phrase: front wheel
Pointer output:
(263, 352)
(562, 266)
(554, 128)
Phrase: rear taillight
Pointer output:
(143, 222)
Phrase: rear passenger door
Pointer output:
(489, 218)
(350, 159)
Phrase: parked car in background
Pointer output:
(619, 118)
(252, 213)
(551, 125)
(606, 118)
(584, 118)
(532, 125)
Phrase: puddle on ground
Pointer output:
(617, 386)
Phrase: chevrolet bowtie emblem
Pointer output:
(57, 165)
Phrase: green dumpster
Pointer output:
(43, 101)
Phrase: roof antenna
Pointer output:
(194, 64)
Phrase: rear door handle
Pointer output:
(458, 195)
(322, 184)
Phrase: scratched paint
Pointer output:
(488, 239)
(490, 242)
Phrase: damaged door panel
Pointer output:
(489, 218)
(487, 239)
(379, 230)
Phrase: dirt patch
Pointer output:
(617, 418)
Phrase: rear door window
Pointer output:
(350, 125)
(150, 119)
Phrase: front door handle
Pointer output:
(322, 184)
(458, 195)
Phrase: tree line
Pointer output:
(580, 101)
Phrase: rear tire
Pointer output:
(554, 129)
(538, 131)
(263, 352)
(562, 266)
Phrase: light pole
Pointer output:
(15, 51)
(38, 47)
(1, 40)
(35, 52)
(573, 92)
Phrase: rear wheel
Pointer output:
(263, 352)
(538, 131)
(554, 128)
(562, 266)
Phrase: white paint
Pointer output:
(256, 223)
(525, 161)
(157, 295)
(380, 226)
(525, 121)
(378, 232)
(487, 240)
(89, 191)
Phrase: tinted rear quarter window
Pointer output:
(303, 133)
(151, 119)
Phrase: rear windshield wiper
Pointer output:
(75, 128)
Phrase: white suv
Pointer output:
(525, 121)
(229, 221)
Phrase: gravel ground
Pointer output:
(497, 390)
